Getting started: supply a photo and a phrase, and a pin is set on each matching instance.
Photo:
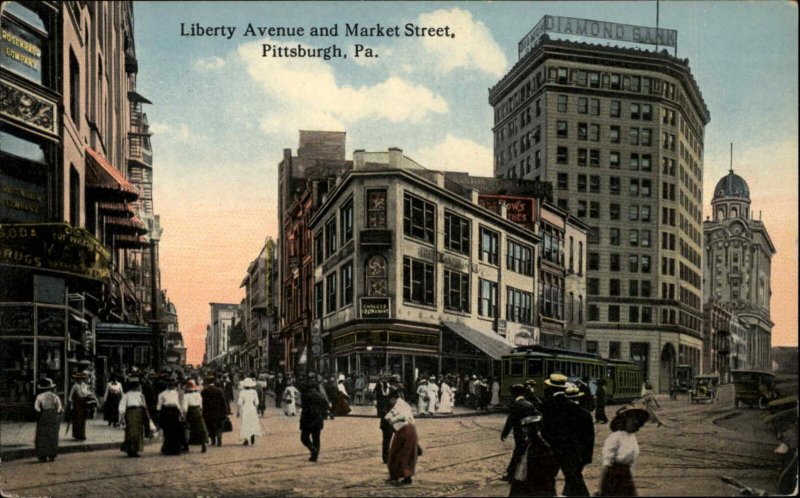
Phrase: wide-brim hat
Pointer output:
(80, 375)
(618, 422)
(517, 390)
(191, 386)
(572, 391)
(531, 382)
(45, 384)
(248, 382)
(431, 378)
(133, 380)
(556, 380)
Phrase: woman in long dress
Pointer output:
(193, 408)
(290, 397)
(341, 406)
(133, 410)
(79, 398)
(111, 402)
(650, 404)
(422, 398)
(48, 410)
(620, 452)
(248, 413)
(446, 401)
(404, 449)
(170, 413)
(495, 394)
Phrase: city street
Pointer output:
(462, 456)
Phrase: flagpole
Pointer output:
(657, 16)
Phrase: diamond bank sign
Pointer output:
(597, 29)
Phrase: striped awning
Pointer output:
(102, 174)
(115, 207)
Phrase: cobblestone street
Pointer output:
(462, 456)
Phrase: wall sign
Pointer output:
(54, 246)
(21, 51)
(521, 210)
(375, 307)
(22, 200)
(597, 29)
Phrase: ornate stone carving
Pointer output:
(22, 105)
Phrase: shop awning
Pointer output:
(130, 241)
(115, 207)
(103, 174)
(490, 343)
(134, 225)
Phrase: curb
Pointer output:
(21, 453)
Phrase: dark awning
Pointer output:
(138, 98)
(489, 342)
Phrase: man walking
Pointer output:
(569, 431)
(215, 409)
(520, 409)
(312, 420)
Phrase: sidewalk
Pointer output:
(17, 438)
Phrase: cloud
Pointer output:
(472, 48)
(209, 63)
(180, 131)
(305, 93)
(457, 154)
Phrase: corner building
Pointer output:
(619, 133)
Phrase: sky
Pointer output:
(222, 114)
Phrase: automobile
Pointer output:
(704, 388)
(682, 381)
(753, 388)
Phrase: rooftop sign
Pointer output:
(597, 29)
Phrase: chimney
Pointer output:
(359, 161)
(473, 195)
(439, 176)
(503, 210)
(315, 193)
(395, 157)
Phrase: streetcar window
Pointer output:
(548, 368)
(517, 367)
(534, 368)
(506, 367)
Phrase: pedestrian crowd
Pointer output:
(556, 433)
(193, 408)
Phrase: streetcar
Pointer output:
(623, 378)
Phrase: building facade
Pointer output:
(619, 133)
(259, 308)
(414, 275)
(67, 81)
(738, 259)
(302, 181)
(725, 340)
(218, 332)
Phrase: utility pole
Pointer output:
(154, 306)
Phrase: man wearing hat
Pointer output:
(569, 431)
(620, 452)
(215, 409)
(79, 398)
(48, 409)
(530, 393)
(520, 409)
(538, 477)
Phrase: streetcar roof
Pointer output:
(543, 351)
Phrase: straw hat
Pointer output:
(637, 411)
(248, 382)
(530, 382)
(80, 376)
(45, 384)
(556, 380)
(572, 391)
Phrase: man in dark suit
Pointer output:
(215, 409)
(312, 420)
(569, 431)
(520, 409)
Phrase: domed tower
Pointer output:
(737, 269)
(731, 198)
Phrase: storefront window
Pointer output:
(16, 371)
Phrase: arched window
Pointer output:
(734, 212)
(376, 276)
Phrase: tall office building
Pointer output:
(619, 133)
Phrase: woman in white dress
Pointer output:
(620, 452)
(495, 394)
(446, 401)
(250, 427)
(422, 398)
(290, 397)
